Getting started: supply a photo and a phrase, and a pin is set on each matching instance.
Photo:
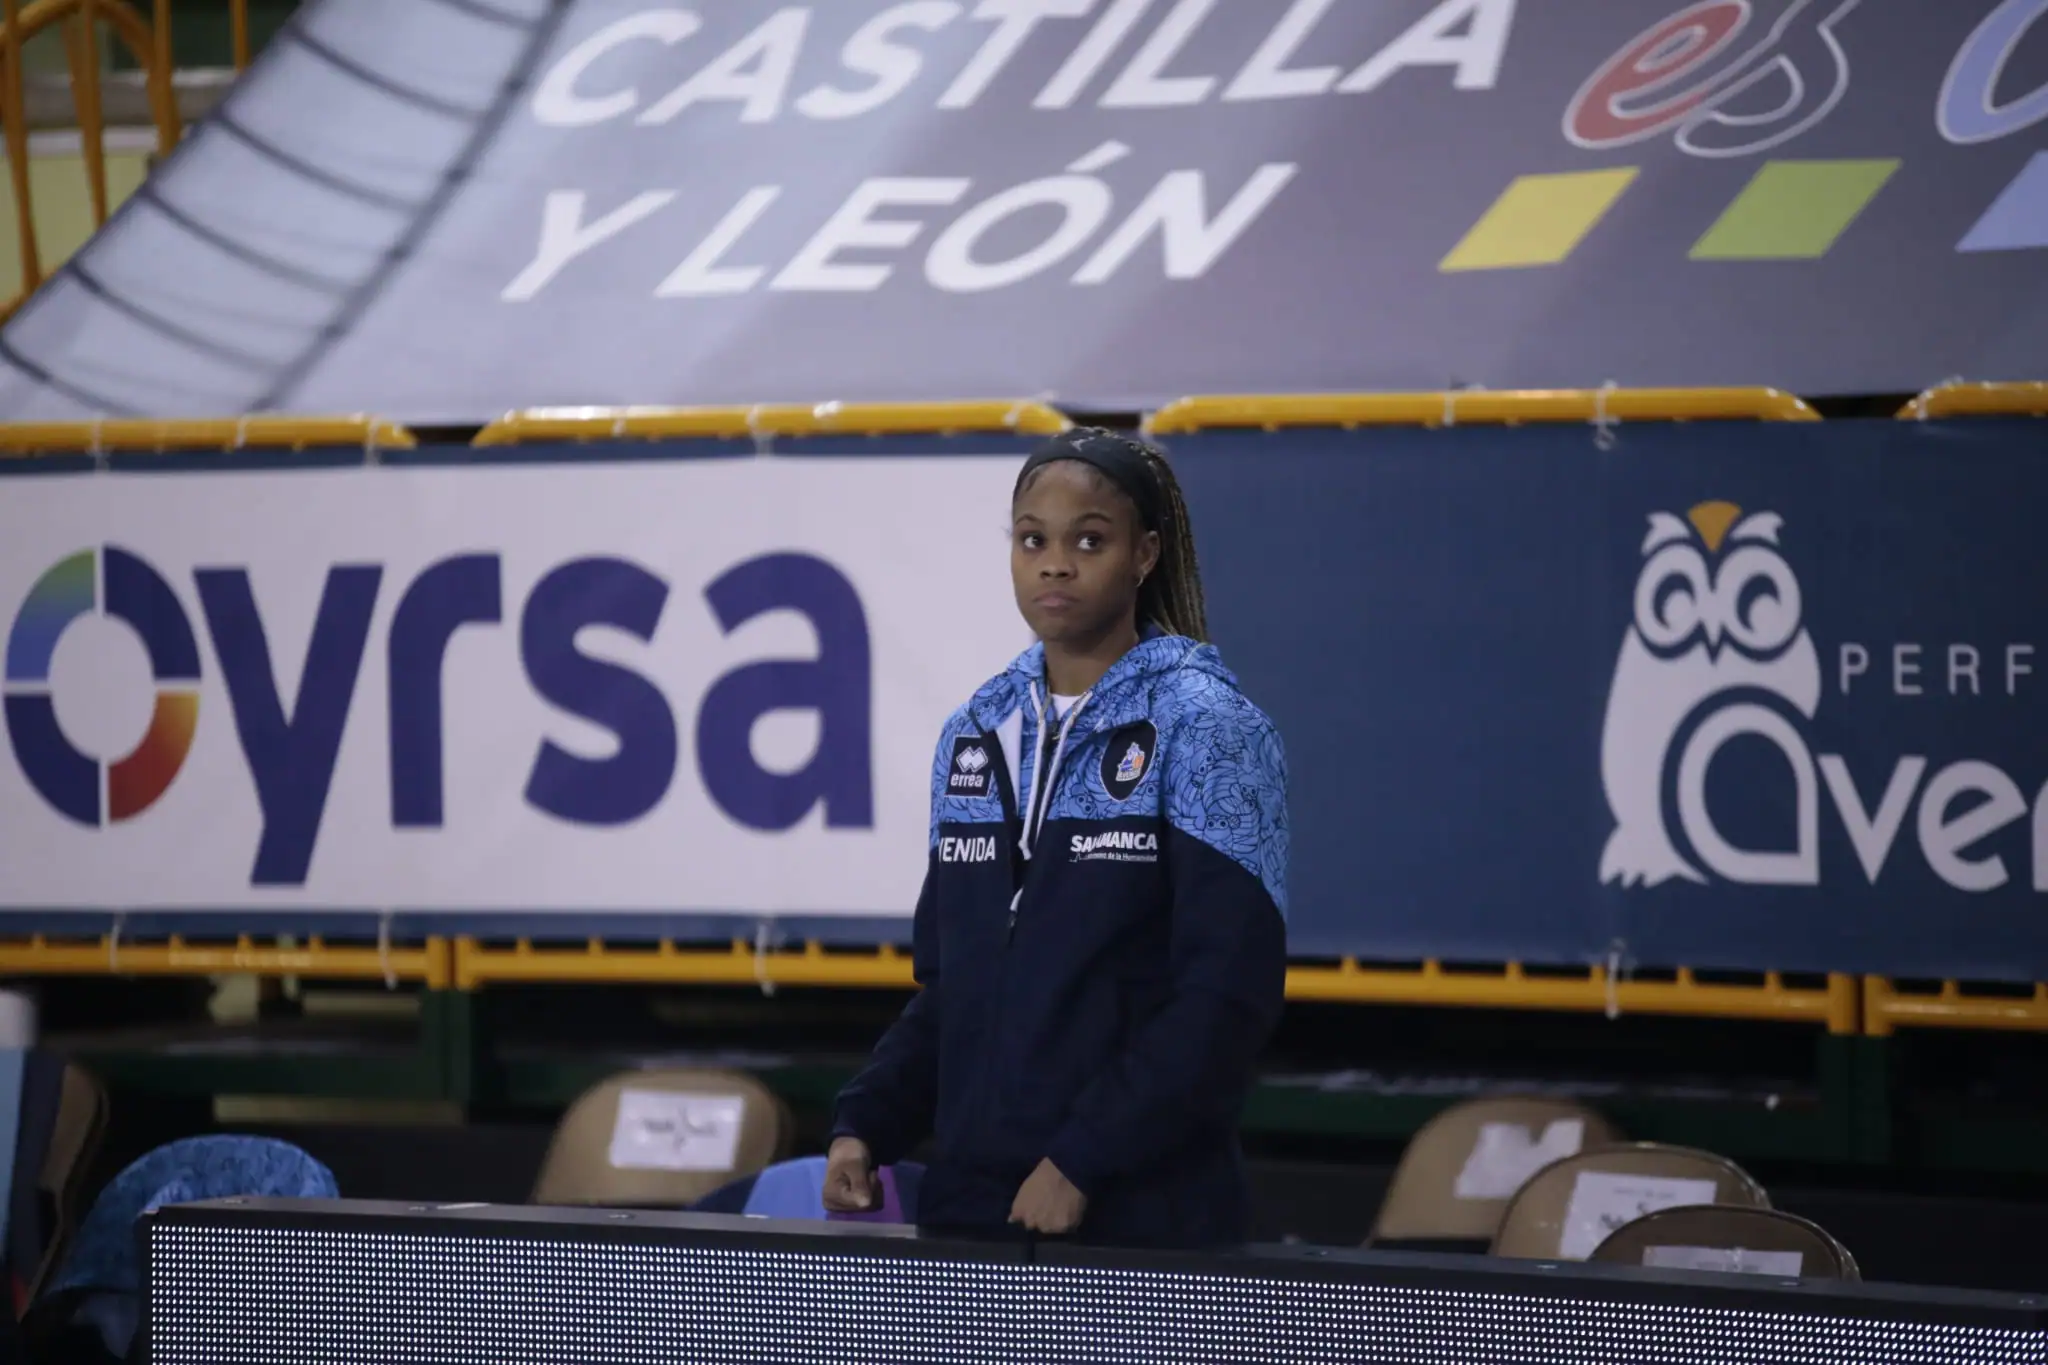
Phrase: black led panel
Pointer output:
(285, 1282)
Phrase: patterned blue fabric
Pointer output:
(1226, 778)
(1219, 773)
(104, 1254)
(796, 1189)
(790, 1189)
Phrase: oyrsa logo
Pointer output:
(1719, 650)
(88, 789)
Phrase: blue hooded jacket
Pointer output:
(1101, 943)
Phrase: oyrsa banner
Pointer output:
(1115, 203)
(694, 687)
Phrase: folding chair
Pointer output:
(1571, 1206)
(1735, 1239)
(662, 1139)
(1458, 1173)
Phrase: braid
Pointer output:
(1171, 597)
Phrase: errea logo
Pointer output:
(968, 775)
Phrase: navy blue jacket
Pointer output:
(1101, 943)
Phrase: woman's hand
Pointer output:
(1049, 1204)
(849, 1177)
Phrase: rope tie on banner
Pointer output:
(761, 946)
(371, 455)
(241, 431)
(384, 951)
(99, 452)
(1603, 421)
(764, 441)
(1615, 950)
(1450, 408)
(114, 943)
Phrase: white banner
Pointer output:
(691, 687)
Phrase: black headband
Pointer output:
(1119, 459)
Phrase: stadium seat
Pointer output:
(1457, 1175)
(662, 1139)
(93, 1305)
(64, 1116)
(1571, 1206)
(1742, 1240)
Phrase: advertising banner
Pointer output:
(1720, 695)
(1723, 695)
(438, 212)
(701, 687)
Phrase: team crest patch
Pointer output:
(1127, 759)
(969, 773)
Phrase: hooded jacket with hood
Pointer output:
(1101, 944)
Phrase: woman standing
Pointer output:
(1100, 938)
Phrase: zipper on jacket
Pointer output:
(1052, 743)
(1053, 731)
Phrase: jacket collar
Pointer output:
(1122, 697)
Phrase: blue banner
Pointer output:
(1731, 696)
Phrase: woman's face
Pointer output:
(1077, 554)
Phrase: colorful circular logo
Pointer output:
(126, 589)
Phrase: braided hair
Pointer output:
(1171, 595)
(1170, 598)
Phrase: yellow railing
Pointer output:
(137, 435)
(1979, 400)
(1842, 1004)
(535, 425)
(429, 963)
(1512, 986)
(148, 41)
(1835, 1003)
(1504, 407)
(1952, 1005)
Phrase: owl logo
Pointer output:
(1717, 610)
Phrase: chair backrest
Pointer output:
(81, 1122)
(1730, 1238)
(96, 1294)
(661, 1139)
(1459, 1172)
(1571, 1206)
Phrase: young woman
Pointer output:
(1100, 939)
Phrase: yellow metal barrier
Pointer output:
(135, 435)
(1513, 987)
(1979, 400)
(1509, 407)
(1952, 1005)
(148, 41)
(1510, 987)
(769, 420)
(664, 963)
(429, 963)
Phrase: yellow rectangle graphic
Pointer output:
(1539, 220)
